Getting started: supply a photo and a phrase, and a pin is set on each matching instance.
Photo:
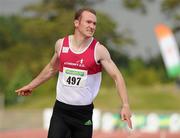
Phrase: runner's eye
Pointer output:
(89, 22)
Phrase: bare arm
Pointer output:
(104, 57)
(49, 70)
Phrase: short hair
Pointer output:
(79, 12)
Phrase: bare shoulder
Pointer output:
(102, 52)
(58, 45)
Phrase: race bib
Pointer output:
(74, 77)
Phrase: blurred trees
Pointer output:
(69, 4)
(27, 44)
(171, 9)
(10, 32)
(135, 5)
(168, 7)
(27, 41)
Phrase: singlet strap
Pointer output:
(66, 41)
(93, 43)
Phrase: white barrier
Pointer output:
(96, 119)
(47, 113)
(174, 125)
(152, 123)
(107, 121)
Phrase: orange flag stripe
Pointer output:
(162, 31)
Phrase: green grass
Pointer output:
(160, 98)
(164, 98)
(42, 97)
(108, 99)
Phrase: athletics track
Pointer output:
(40, 133)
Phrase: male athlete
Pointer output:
(79, 59)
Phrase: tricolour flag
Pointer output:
(169, 49)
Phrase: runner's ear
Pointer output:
(76, 23)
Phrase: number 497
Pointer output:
(73, 80)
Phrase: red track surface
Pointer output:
(39, 133)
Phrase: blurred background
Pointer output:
(128, 28)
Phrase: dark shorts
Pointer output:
(69, 121)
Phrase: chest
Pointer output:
(83, 61)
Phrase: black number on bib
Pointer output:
(69, 80)
(78, 80)
(73, 80)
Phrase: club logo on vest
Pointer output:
(80, 63)
(65, 49)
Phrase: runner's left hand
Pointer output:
(126, 115)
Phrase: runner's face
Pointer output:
(86, 25)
